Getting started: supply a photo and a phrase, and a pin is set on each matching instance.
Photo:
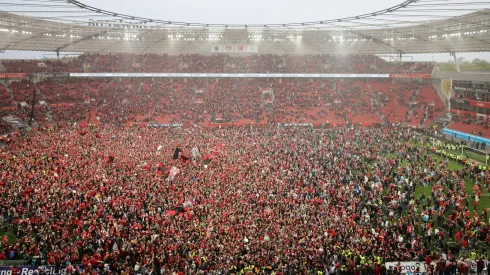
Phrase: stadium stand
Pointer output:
(240, 101)
(218, 63)
(22, 91)
(253, 174)
(5, 96)
(469, 112)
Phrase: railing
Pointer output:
(6, 131)
(435, 120)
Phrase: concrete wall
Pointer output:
(467, 76)
(436, 83)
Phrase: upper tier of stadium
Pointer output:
(196, 63)
(435, 34)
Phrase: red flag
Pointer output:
(110, 159)
(171, 212)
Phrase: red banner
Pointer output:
(213, 125)
(12, 75)
(475, 103)
(424, 76)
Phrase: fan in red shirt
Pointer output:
(14, 270)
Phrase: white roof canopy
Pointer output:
(466, 33)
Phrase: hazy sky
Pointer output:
(242, 12)
(245, 12)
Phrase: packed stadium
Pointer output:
(142, 138)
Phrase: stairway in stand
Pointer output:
(10, 92)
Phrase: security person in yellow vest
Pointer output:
(363, 260)
(349, 254)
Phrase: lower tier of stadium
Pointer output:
(225, 101)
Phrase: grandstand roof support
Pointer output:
(155, 43)
(457, 20)
(458, 69)
(487, 42)
(80, 40)
(119, 42)
(377, 41)
(22, 41)
(284, 51)
(316, 47)
(472, 27)
(429, 42)
(110, 46)
(183, 47)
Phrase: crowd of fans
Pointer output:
(247, 101)
(240, 101)
(217, 63)
(45, 66)
(121, 199)
(5, 96)
(66, 90)
(407, 102)
(237, 200)
(59, 114)
(22, 91)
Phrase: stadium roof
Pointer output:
(465, 33)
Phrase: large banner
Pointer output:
(413, 76)
(228, 48)
(49, 75)
(49, 269)
(235, 48)
(21, 75)
(12, 75)
(295, 124)
(229, 75)
(216, 49)
(173, 125)
(240, 48)
(470, 89)
(481, 104)
(421, 267)
(447, 86)
(409, 267)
